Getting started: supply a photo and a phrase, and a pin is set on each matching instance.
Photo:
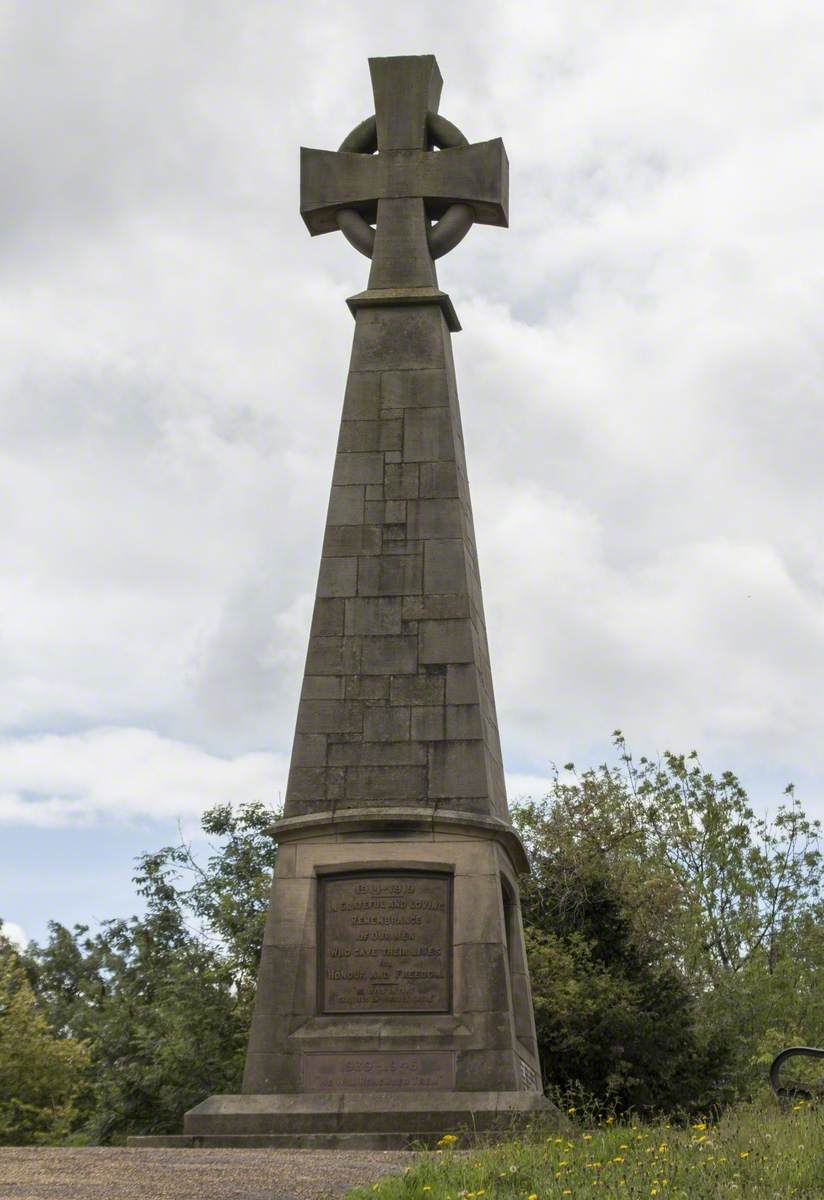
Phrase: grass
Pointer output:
(754, 1151)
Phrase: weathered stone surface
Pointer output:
(346, 540)
(438, 480)
(338, 577)
(445, 568)
(322, 687)
(405, 1070)
(330, 716)
(407, 338)
(346, 506)
(366, 687)
(377, 753)
(428, 723)
(389, 655)
(386, 724)
(417, 689)
(447, 642)
(390, 575)
(327, 620)
(385, 783)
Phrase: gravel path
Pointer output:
(101, 1173)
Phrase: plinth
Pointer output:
(393, 1000)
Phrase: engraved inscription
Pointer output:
(381, 1071)
(528, 1077)
(386, 941)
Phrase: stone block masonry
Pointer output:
(398, 611)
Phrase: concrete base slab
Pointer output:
(374, 1121)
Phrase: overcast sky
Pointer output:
(641, 374)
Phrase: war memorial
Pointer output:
(393, 999)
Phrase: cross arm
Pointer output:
(476, 174)
(331, 180)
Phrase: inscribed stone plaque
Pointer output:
(385, 942)
(382, 1071)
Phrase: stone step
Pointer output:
(291, 1141)
(421, 1115)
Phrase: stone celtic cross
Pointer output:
(393, 996)
(399, 170)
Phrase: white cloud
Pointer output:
(124, 775)
(14, 933)
(527, 787)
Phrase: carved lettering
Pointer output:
(382, 1071)
(385, 942)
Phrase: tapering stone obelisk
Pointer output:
(393, 998)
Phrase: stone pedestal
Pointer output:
(393, 997)
(394, 959)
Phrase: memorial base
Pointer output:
(393, 959)
(375, 1121)
(393, 1001)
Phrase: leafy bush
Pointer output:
(41, 1075)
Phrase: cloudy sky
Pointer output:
(641, 374)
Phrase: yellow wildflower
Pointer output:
(744, 1154)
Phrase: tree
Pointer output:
(227, 898)
(164, 1000)
(41, 1074)
(662, 875)
(611, 1018)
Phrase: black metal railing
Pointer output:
(791, 1089)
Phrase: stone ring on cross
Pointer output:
(443, 235)
(405, 185)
